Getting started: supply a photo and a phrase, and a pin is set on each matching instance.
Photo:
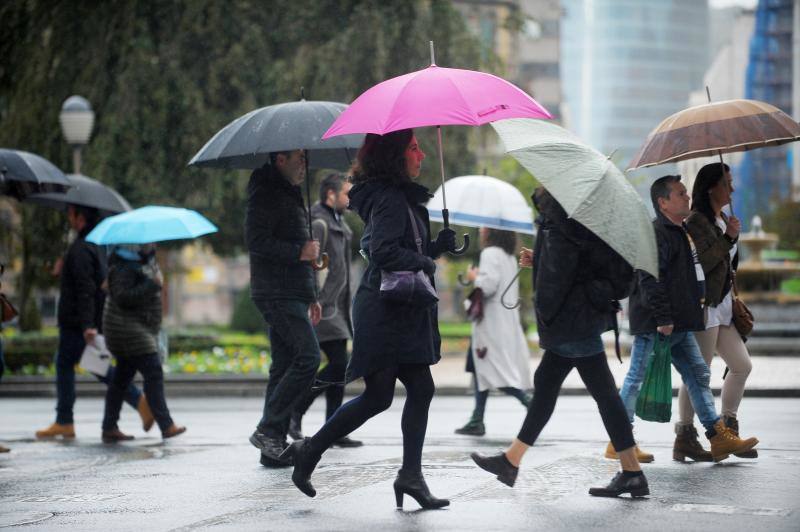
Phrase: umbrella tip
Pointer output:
(433, 56)
(302, 93)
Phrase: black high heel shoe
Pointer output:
(304, 463)
(413, 484)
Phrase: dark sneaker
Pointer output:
(258, 439)
(271, 453)
(347, 442)
(497, 465)
(636, 486)
(472, 428)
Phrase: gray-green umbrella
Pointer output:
(86, 192)
(23, 173)
(589, 187)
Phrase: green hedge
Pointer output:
(39, 348)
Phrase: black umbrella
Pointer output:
(87, 192)
(247, 142)
(23, 173)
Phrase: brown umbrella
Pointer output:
(716, 128)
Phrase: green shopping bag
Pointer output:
(655, 398)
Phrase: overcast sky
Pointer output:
(727, 3)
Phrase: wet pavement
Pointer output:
(210, 477)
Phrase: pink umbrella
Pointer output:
(436, 96)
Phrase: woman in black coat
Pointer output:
(391, 340)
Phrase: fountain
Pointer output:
(777, 314)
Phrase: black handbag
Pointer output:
(407, 287)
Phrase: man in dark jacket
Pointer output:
(80, 314)
(335, 328)
(578, 280)
(669, 309)
(283, 288)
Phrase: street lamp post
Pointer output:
(77, 119)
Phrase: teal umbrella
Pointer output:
(151, 224)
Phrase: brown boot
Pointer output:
(145, 413)
(687, 445)
(733, 424)
(173, 431)
(56, 429)
(115, 435)
(643, 457)
(4, 449)
(725, 443)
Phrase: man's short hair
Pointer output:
(661, 189)
(332, 182)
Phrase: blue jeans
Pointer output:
(687, 359)
(70, 348)
(295, 360)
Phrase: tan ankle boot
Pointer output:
(643, 457)
(733, 424)
(725, 442)
(145, 413)
(687, 445)
(173, 431)
(57, 429)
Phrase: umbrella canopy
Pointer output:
(587, 185)
(483, 201)
(435, 96)
(247, 141)
(151, 224)
(713, 128)
(23, 173)
(85, 191)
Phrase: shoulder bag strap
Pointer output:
(417, 238)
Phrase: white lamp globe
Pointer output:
(77, 120)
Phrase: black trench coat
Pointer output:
(388, 334)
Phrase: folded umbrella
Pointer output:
(151, 224)
(23, 173)
(589, 187)
(483, 201)
(86, 192)
(436, 96)
(716, 128)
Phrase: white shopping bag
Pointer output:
(96, 357)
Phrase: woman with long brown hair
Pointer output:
(391, 341)
(715, 236)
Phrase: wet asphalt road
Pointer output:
(210, 478)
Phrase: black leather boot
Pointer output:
(305, 460)
(497, 465)
(413, 483)
(733, 424)
(636, 486)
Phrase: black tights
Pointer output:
(377, 397)
(595, 374)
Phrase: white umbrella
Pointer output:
(590, 188)
(483, 201)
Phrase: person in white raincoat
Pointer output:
(498, 354)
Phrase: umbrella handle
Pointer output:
(321, 263)
(503, 296)
(461, 280)
(446, 222)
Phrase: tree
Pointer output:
(163, 76)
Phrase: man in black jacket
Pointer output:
(284, 290)
(579, 281)
(80, 314)
(669, 309)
